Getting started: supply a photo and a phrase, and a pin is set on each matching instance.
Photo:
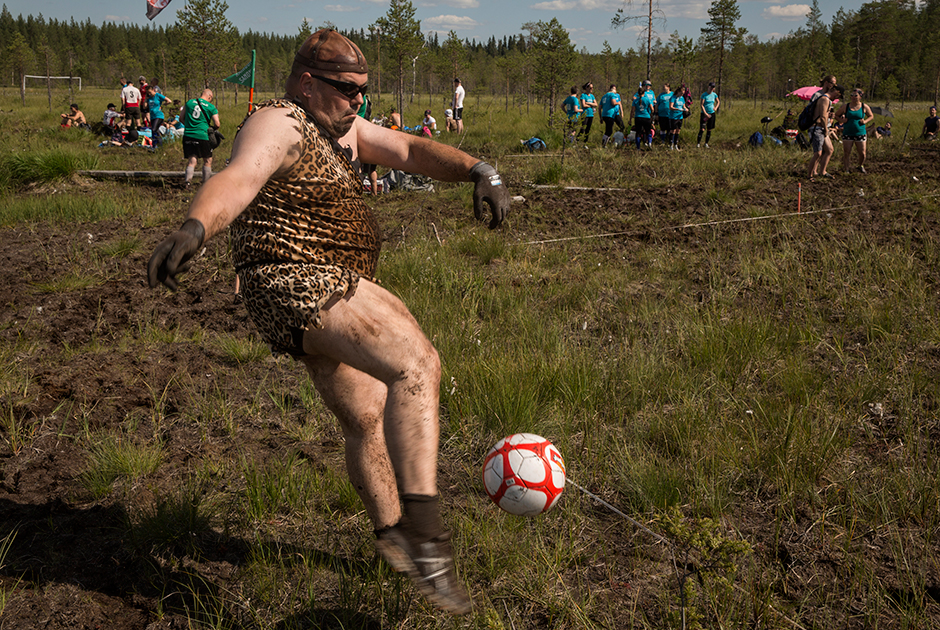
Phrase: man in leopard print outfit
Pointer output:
(305, 246)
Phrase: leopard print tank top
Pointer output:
(314, 213)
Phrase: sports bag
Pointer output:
(534, 144)
(807, 117)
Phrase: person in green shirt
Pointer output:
(198, 115)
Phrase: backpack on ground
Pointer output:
(756, 139)
(534, 144)
(400, 180)
(808, 116)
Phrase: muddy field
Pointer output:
(72, 561)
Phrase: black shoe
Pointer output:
(430, 565)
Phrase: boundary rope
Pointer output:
(712, 223)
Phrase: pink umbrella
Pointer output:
(805, 93)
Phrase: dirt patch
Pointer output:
(71, 558)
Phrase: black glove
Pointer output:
(174, 254)
(488, 187)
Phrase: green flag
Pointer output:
(245, 76)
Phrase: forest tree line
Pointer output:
(887, 47)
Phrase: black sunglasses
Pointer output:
(349, 90)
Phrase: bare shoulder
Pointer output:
(269, 141)
(271, 120)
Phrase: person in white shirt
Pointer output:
(130, 103)
(459, 94)
(429, 123)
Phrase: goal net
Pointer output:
(41, 80)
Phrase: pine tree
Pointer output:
(207, 48)
(454, 54)
(720, 32)
(553, 59)
(681, 51)
(402, 34)
(19, 56)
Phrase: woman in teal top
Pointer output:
(678, 108)
(854, 116)
(572, 106)
(709, 110)
(588, 105)
(611, 113)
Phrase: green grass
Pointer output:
(6, 592)
(752, 390)
(114, 459)
(240, 350)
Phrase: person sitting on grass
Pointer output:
(112, 117)
(449, 123)
(394, 120)
(883, 132)
(121, 138)
(74, 118)
(931, 125)
(429, 123)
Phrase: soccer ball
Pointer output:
(524, 474)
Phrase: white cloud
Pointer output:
(457, 4)
(581, 5)
(116, 18)
(340, 8)
(770, 36)
(786, 12)
(693, 9)
(450, 23)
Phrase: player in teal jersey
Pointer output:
(664, 115)
(709, 105)
(611, 113)
(588, 105)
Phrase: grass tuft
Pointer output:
(113, 459)
(19, 169)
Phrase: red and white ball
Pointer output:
(524, 474)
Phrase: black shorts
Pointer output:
(196, 148)
(132, 112)
(675, 124)
(609, 123)
(643, 126)
(665, 124)
(707, 124)
(458, 113)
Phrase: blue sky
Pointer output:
(588, 21)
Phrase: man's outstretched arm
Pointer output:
(436, 160)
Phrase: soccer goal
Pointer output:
(38, 76)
